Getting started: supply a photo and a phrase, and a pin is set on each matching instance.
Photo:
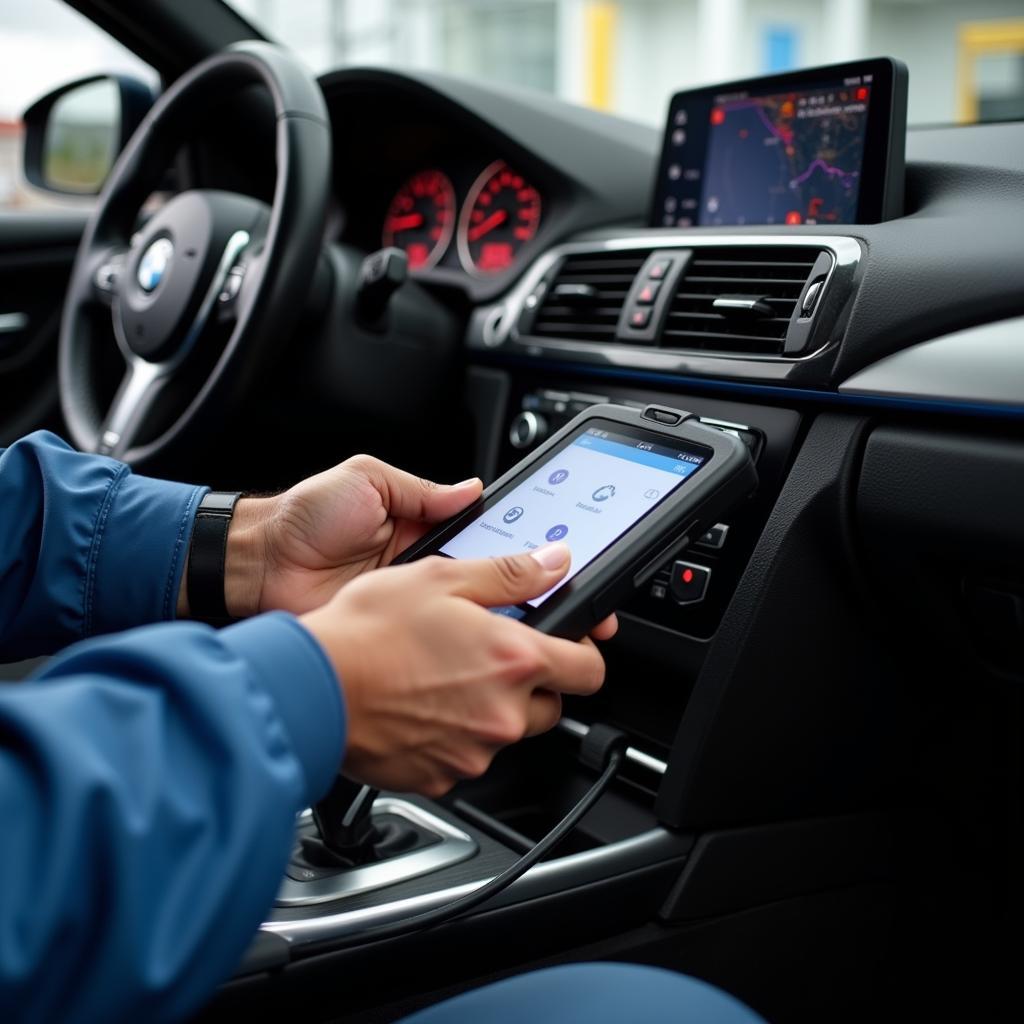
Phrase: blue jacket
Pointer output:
(148, 780)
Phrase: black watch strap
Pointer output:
(207, 556)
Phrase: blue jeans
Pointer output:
(592, 994)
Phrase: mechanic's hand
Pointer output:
(434, 683)
(296, 550)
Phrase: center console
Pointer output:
(437, 851)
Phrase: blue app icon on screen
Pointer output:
(513, 514)
(559, 476)
(557, 532)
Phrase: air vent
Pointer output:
(738, 299)
(585, 298)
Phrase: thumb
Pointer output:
(510, 579)
(410, 497)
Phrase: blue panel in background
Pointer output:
(779, 44)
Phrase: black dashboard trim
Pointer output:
(585, 163)
(755, 390)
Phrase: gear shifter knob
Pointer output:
(344, 818)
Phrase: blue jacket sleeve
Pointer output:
(86, 546)
(148, 787)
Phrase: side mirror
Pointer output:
(74, 134)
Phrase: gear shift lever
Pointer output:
(344, 820)
(349, 838)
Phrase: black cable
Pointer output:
(614, 743)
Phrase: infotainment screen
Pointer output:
(588, 493)
(823, 146)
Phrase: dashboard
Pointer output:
(760, 312)
(466, 208)
(473, 182)
(588, 189)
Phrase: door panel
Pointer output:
(36, 253)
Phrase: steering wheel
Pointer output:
(205, 260)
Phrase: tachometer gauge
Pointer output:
(500, 215)
(421, 218)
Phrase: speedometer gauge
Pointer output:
(421, 218)
(501, 214)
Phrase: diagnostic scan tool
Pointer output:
(625, 489)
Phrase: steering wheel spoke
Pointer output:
(226, 309)
(106, 273)
(139, 389)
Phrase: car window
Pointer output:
(966, 60)
(45, 44)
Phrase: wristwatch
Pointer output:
(206, 557)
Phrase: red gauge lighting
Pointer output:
(501, 214)
(421, 218)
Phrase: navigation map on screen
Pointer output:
(794, 158)
(774, 157)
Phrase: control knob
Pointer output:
(527, 429)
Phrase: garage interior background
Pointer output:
(625, 56)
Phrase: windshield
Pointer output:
(966, 61)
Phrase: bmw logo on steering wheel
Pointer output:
(154, 263)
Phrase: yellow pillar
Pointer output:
(979, 39)
(599, 52)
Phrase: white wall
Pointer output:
(923, 34)
(656, 54)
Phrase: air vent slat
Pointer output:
(597, 280)
(783, 264)
(775, 275)
(701, 279)
(552, 311)
(593, 316)
(570, 330)
(717, 317)
(604, 264)
(706, 304)
(709, 297)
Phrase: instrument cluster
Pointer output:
(482, 230)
